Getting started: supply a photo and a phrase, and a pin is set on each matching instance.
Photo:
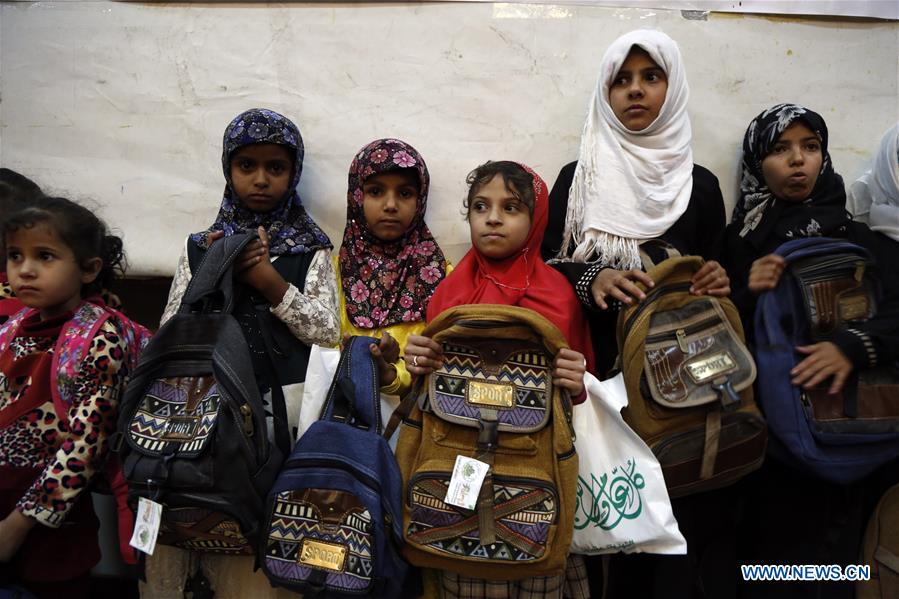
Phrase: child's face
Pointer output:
(791, 169)
(43, 270)
(499, 221)
(638, 91)
(389, 202)
(261, 175)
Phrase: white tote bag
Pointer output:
(319, 374)
(622, 502)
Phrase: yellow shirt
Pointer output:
(400, 331)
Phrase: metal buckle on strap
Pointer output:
(726, 393)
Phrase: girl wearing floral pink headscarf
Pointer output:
(389, 264)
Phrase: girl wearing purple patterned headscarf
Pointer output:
(286, 286)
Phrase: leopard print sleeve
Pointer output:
(83, 445)
(312, 315)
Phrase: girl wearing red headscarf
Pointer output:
(507, 210)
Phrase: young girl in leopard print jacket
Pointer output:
(64, 360)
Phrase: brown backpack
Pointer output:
(492, 400)
(689, 379)
(880, 550)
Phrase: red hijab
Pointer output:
(522, 279)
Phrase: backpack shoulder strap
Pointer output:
(355, 396)
(11, 327)
(71, 346)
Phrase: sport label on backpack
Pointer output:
(328, 530)
(498, 395)
(705, 369)
(320, 554)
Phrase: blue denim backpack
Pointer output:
(334, 513)
(826, 286)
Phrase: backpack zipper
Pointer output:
(367, 480)
(652, 295)
(682, 333)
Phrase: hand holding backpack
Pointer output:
(194, 428)
(826, 286)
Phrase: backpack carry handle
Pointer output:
(354, 396)
(212, 286)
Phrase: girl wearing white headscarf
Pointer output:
(874, 197)
(634, 186)
(634, 181)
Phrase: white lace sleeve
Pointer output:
(179, 286)
(312, 315)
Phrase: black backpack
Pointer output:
(193, 423)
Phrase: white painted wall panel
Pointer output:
(124, 104)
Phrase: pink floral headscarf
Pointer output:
(388, 283)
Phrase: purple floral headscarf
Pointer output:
(290, 229)
(388, 283)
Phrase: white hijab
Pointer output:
(874, 197)
(630, 186)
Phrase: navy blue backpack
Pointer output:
(335, 512)
(826, 285)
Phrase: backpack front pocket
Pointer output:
(694, 357)
(320, 533)
(525, 516)
(203, 529)
(512, 379)
(177, 415)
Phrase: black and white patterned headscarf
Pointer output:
(760, 212)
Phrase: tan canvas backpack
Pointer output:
(492, 400)
(689, 379)
(880, 550)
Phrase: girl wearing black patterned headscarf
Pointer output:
(789, 190)
(813, 206)
(286, 285)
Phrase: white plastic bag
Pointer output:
(622, 502)
(319, 374)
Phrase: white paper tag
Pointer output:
(146, 527)
(464, 486)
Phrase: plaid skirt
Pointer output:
(571, 585)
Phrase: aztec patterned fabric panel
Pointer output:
(330, 531)
(484, 374)
(176, 411)
(525, 511)
(198, 529)
(691, 349)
